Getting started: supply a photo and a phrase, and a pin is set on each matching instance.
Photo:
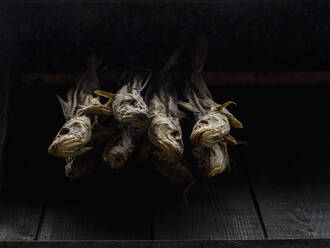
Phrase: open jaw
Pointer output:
(165, 133)
(174, 172)
(119, 148)
(130, 109)
(210, 129)
(213, 160)
(72, 138)
(76, 167)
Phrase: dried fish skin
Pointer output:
(130, 109)
(210, 134)
(128, 105)
(165, 133)
(84, 164)
(210, 129)
(78, 166)
(72, 138)
(118, 149)
(80, 111)
(212, 160)
(174, 172)
(93, 106)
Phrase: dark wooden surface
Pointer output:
(211, 78)
(218, 208)
(4, 118)
(287, 161)
(19, 218)
(278, 187)
(114, 205)
(177, 244)
(243, 35)
(279, 190)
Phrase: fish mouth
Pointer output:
(115, 160)
(134, 118)
(165, 134)
(205, 136)
(170, 149)
(66, 146)
(71, 170)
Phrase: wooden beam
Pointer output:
(212, 78)
(321, 243)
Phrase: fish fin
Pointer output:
(187, 106)
(104, 94)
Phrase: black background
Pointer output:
(243, 36)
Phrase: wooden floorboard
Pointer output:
(176, 244)
(211, 78)
(6, 96)
(4, 103)
(219, 208)
(111, 207)
(293, 205)
(19, 217)
(288, 162)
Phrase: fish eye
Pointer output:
(64, 131)
(204, 122)
(133, 102)
(175, 133)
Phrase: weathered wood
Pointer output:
(4, 119)
(288, 160)
(108, 205)
(219, 208)
(95, 220)
(176, 244)
(211, 78)
(19, 218)
(244, 35)
(292, 205)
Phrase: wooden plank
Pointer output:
(293, 205)
(272, 36)
(288, 161)
(211, 78)
(105, 206)
(219, 208)
(323, 243)
(4, 119)
(19, 218)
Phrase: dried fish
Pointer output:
(80, 111)
(127, 104)
(212, 160)
(130, 110)
(105, 129)
(78, 166)
(212, 119)
(164, 131)
(119, 147)
(175, 173)
(210, 133)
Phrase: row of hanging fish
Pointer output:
(144, 115)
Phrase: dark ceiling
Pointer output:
(243, 36)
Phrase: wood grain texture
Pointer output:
(288, 161)
(243, 36)
(19, 218)
(111, 205)
(175, 244)
(219, 208)
(211, 78)
(293, 205)
(4, 119)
